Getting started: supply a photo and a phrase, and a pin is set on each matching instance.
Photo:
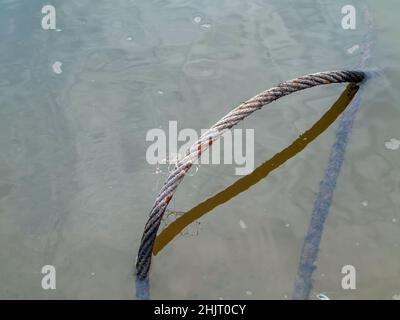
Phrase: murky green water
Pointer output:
(75, 187)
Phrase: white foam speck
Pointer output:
(322, 296)
(353, 49)
(392, 144)
(242, 224)
(158, 170)
(206, 26)
(197, 19)
(394, 220)
(57, 67)
(160, 92)
(287, 225)
(364, 203)
(58, 30)
(129, 38)
(249, 293)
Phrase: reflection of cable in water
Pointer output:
(323, 201)
(183, 166)
(175, 227)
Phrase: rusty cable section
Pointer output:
(205, 141)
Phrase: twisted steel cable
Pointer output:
(227, 122)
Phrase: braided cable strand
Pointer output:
(227, 122)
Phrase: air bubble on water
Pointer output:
(158, 169)
(249, 293)
(206, 25)
(392, 144)
(57, 67)
(364, 203)
(394, 220)
(93, 274)
(192, 229)
(170, 216)
(58, 30)
(172, 161)
(160, 92)
(242, 224)
(322, 296)
(287, 225)
(197, 19)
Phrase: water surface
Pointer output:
(75, 187)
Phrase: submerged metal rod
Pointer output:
(227, 122)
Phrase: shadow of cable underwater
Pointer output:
(173, 229)
(324, 197)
